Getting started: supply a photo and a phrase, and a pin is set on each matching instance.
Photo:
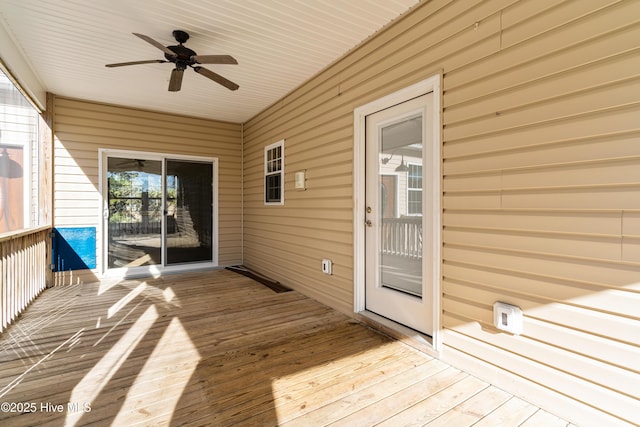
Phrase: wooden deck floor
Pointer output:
(216, 348)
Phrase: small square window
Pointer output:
(274, 174)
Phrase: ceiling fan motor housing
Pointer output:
(183, 54)
(180, 36)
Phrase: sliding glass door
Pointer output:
(159, 211)
(189, 216)
(135, 212)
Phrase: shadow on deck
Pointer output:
(217, 348)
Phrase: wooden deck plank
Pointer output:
(402, 400)
(473, 409)
(345, 355)
(207, 337)
(437, 404)
(60, 366)
(220, 316)
(542, 418)
(303, 393)
(370, 395)
(513, 412)
(217, 348)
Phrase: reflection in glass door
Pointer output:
(189, 211)
(400, 219)
(134, 197)
(159, 212)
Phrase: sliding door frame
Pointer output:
(103, 212)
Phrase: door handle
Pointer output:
(368, 223)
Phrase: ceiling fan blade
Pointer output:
(214, 59)
(156, 44)
(175, 82)
(216, 78)
(122, 64)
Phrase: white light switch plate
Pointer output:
(327, 266)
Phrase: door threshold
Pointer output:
(418, 340)
(157, 271)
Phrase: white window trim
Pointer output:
(409, 189)
(265, 172)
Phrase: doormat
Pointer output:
(271, 284)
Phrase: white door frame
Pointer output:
(432, 84)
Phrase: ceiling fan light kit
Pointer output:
(183, 57)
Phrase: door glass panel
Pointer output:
(135, 212)
(189, 220)
(400, 210)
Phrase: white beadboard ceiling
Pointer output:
(279, 44)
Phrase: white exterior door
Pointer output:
(400, 213)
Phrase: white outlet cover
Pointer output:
(507, 317)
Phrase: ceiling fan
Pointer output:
(184, 57)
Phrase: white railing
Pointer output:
(402, 237)
(24, 270)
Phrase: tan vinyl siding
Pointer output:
(82, 128)
(541, 188)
